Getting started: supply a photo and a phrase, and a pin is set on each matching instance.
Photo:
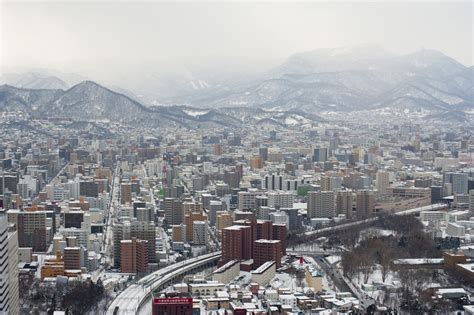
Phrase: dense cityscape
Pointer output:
(341, 216)
(236, 157)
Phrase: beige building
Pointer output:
(227, 272)
(264, 274)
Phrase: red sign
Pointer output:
(179, 301)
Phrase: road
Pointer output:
(130, 300)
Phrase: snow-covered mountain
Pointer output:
(91, 102)
(345, 79)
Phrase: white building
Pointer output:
(200, 232)
(280, 199)
(9, 290)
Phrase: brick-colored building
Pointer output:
(266, 250)
(279, 233)
(236, 243)
(72, 258)
(133, 256)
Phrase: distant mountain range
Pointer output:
(89, 101)
(298, 91)
(346, 80)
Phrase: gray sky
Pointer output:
(89, 37)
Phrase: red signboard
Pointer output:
(174, 301)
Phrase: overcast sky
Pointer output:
(86, 36)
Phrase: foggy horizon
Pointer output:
(84, 38)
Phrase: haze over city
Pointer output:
(236, 158)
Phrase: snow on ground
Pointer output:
(194, 112)
(333, 259)
(283, 280)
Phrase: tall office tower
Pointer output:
(134, 256)
(224, 220)
(174, 212)
(266, 250)
(383, 181)
(263, 152)
(199, 232)
(280, 199)
(121, 231)
(459, 181)
(264, 230)
(179, 233)
(321, 204)
(9, 289)
(189, 220)
(146, 231)
(344, 202)
(236, 243)
(273, 182)
(320, 154)
(247, 199)
(125, 193)
(364, 204)
(279, 232)
(290, 184)
(31, 227)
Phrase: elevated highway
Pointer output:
(132, 298)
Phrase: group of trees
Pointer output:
(79, 297)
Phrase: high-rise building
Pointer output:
(174, 212)
(236, 243)
(279, 233)
(247, 199)
(266, 250)
(280, 199)
(125, 193)
(320, 154)
(199, 232)
(273, 182)
(364, 204)
(264, 230)
(189, 220)
(459, 181)
(146, 230)
(9, 289)
(179, 233)
(31, 227)
(383, 182)
(134, 256)
(344, 202)
(72, 258)
(224, 220)
(321, 204)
